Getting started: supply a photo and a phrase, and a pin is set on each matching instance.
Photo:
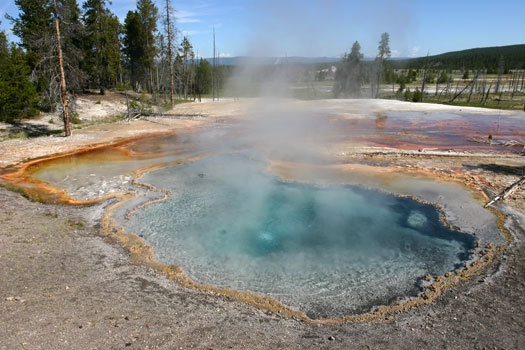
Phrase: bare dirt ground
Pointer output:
(64, 286)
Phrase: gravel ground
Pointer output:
(65, 286)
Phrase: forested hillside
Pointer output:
(489, 58)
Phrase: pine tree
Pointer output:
(383, 54)
(102, 62)
(203, 76)
(133, 48)
(147, 12)
(35, 27)
(187, 53)
(4, 50)
(179, 74)
(18, 96)
(349, 76)
(139, 42)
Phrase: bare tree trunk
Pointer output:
(151, 85)
(185, 75)
(172, 100)
(515, 85)
(486, 96)
(379, 77)
(158, 81)
(472, 86)
(423, 84)
(218, 63)
(437, 84)
(213, 68)
(459, 93)
(507, 191)
(67, 130)
(500, 72)
(483, 86)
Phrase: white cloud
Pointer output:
(189, 32)
(413, 51)
(224, 54)
(186, 17)
(188, 20)
(395, 53)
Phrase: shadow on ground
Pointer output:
(23, 130)
(500, 169)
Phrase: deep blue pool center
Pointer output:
(326, 250)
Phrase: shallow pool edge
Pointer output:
(142, 253)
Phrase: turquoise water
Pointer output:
(325, 250)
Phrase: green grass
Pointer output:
(167, 105)
(108, 120)
(75, 224)
(18, 190)
(507, 105)
(18, 135)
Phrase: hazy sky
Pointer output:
(329, 27)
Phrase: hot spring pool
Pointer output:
(328, 250)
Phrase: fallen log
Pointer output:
(176, 115)
(507, 192)
(504, 143)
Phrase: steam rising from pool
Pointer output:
(325, 250)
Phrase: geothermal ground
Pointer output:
(66, 286)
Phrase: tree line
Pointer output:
(352, 72)
(488, 66)
(487, 58)
(98, 53)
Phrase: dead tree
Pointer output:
(213, 82)
(507, 192)
(483, 101)
(457, 87)
(459, 93)
(515, 85)
(170, 53)
(483, 87)
(67, 130)
(474, 82)
(425, 68)
(501, 66)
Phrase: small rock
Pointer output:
(331, 338)
(9, 299)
